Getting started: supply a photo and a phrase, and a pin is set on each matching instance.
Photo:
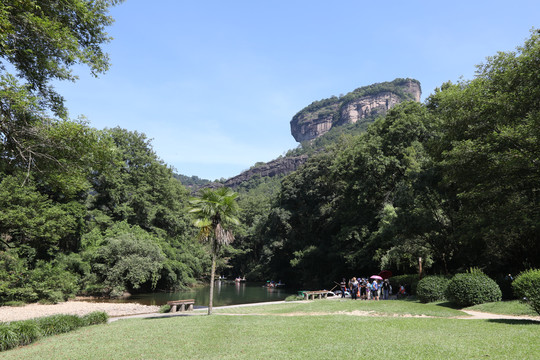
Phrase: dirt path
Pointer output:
(489, 316)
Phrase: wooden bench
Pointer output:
(320, 294)
(181, 305)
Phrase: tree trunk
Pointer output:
(212, 276)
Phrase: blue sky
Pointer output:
(215, 83)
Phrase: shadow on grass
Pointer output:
(448, 304)
(168, 316)
(515, 321)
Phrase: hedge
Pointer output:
(432, 288)
(20, 333)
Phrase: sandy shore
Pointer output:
(13, 313)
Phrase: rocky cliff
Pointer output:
(362, 104)
(281, 166)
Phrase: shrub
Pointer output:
(27, 331)
(165, 308)
(472, 289)
(527, 287)
(409, 281)
(432, 288)
(19, 333)
(58, 324)
(8, 338)
(94, 318)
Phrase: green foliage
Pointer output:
(94, 318)
(20, 333)
(44, 39)
(49, 282)
(193, 182)
(486, 155)
(29, 217)
(128, 259)
(215, 213)
(165, 308)
(409, 281)
(58, 324)
(140, 189)
(432, 288)
(8, 337)
(27, 331)
(527, 287)
(472, 289)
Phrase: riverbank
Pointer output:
(30, 311)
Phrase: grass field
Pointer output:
(318, 329)
(505, 307)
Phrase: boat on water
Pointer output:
(239, 279)
(273, 284)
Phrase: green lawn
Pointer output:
(505, 307)
(274, 336)
(415, 308)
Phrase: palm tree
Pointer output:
(215, 211)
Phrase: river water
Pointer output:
(225, 293)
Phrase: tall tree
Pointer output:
(43, 39)
(215, 211)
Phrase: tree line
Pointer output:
(454, 181)
(82, 210)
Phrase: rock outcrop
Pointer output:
(360, 105)
(281, 166)
(363, 104)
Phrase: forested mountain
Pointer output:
(454, 180)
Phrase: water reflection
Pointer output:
(225, 293)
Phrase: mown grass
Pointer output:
(514, 307)
(399, 308)
(295, 337)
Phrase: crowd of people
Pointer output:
(366, 289)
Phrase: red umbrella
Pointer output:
(385, 274)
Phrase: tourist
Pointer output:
(343, 286)
(353, 286)
(375, 290)
(363, 286)
(386, 289)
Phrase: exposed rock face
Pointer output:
(281, 166)
(363, 103)
(318, 118)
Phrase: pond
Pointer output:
(225, 293)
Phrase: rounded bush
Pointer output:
(432, 288)
(527, 287)
(472, 289)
